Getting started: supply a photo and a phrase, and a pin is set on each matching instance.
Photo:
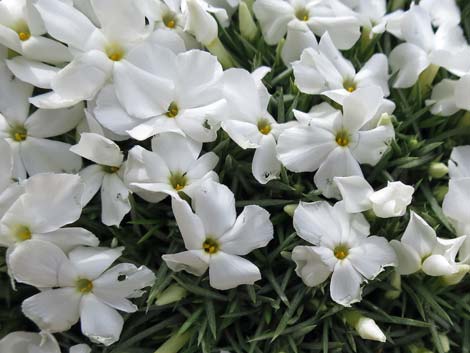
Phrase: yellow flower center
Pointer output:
(172, 110)
(24, 36)
(341, 252)
(18, 133)
(169, 21)
(264, 126)
(342, 138)
(210, 246)
(178, 181)
(84, 285)
(22, 233)
(23, 30)
(302, 14)
(110, 169)
(115, 52)
(349, 85)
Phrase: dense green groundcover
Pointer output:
(279, 313)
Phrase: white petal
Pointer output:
(52, 100)
(50, 202)
(459, 163)
(142, 94)
(98, 149)
(83, 77)
(408, 259)
(189, 224)
(307, 76)
(419, 235)
(244, 134)
(442, 11)
(303, 149)
(329, 48)
(92, 176)
(392, 200)
(355, 192)
(252, 230)
(461, 87)
(99, 322)
(45, 50)
(456, 199)
(65, 23)
(443, 98)
(214, 203)
(115, 200)
(265, 165)
(80, 348)
(14, 96)
(36, 263)
(202, 166)
(409, 60)
(372, 144)
(28, 342)
(374, 73)
(200, 23)
(92, 262)
(42, 155)
(345, 287)
(360, 107)
(44, 123)
(416, 28)
(371, 256)
(55, 310)
(229, 271)
(310, 266)
(339, 162)
(69, 238)
(298, 38)
(273, 17)
(33, 72)
(192, 261)
(438, 265)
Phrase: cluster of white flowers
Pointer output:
(127, 72)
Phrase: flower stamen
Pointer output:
(19, 133)
(342, 138)
(264, 126)
(302, 14)
(178, 181)
(22, 233)
(172, 110)
(84, 285)
(341, 252)
(210, 246)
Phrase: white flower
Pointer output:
(80, 286)
(42, 206)
(421, 249)
(22, 30)
(323, 70)
(193, 89)
(216, 238)
(173, 166)
(459, 162)
(334, 142)
(442, 12)
(317, 16)
(341, 248)
(107, 174)
(450, 96)
(6, 166)
(359, 196)
(29, 342)
(424, 47)
(249, 123)
(100, 52)
(28, 134)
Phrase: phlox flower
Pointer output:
(28, 135)
(216, 238)
(336, 142)
(318, 16)
(100, 53)
(323, 70)
(81, 286)
(38, 210)
(340, 247)
(359, 196)
(107, 174)
(194, 93)
(450, 96)
(248, 122)
(29, 342)
(22, 30)
(420, 249)
(423, 47)
(174, 165)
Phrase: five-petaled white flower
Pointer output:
(80, 286)
(216, 238)
(341, 248)
(173, 166)
(107, 174)
(421, 249)
(334, 142)
(359, 196)
(323, 70)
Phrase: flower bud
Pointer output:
(247, 24)
(395, 281)
(444, 342)
(385, 119)
(440, 192)
(200, 23)
(217, 48)
(438, 170)
(392, 200)
(170, 295)
(175, 343)
(453, 279)
(365, 327)
(290, 209)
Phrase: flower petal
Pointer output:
(419, 235)
(92, 262)
(310, 266)
(69, 238)
(409, 260)
(189, 224)
(115, 200)
(345, 287)
(192, 261)
(229, 271)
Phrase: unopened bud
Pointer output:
(453, 279)
(438, 170)
(440, 192)
(217, 48)
(365, 327)
(248, 28)
(395, 281)
(172, 294)
(444, 342)
(290, 209)
(385, 119)
(175, 343)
